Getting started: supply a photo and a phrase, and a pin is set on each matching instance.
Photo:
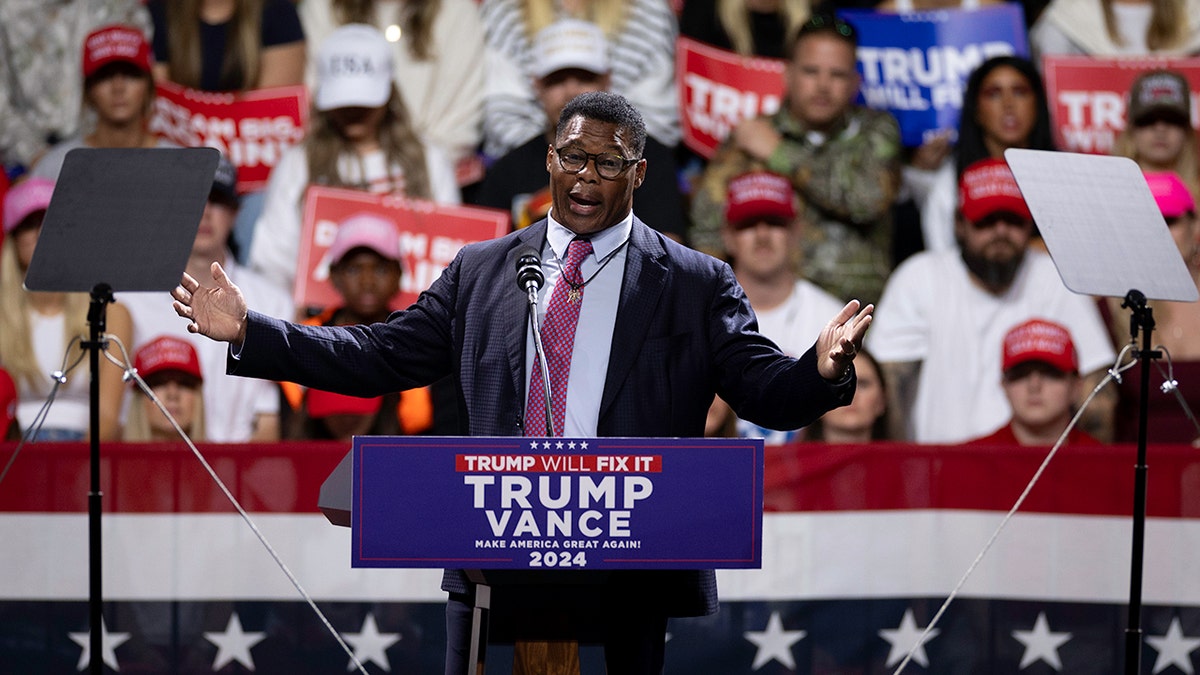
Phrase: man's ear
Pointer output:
(639, 173)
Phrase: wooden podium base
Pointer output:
(559, 657)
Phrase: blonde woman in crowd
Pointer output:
(38, 328)
(360, 137)
(438, 55)
(641, 36)
(748, 27)
(228, 45)
(1109, 28)
(171, 368)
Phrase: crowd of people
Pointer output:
(458, 102)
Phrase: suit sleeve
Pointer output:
(755, 378)
(413, 348)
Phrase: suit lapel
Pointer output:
(645, 279)
(514, 307)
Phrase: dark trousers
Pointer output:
(634, 639)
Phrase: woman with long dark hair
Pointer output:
(1004, 107)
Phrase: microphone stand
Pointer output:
(97, 313)
(1141, 317)
(531, 291)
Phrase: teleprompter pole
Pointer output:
(101, 296)
(1141, 319)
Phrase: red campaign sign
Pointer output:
(1088, 97)
(430, 236)
(720, 88)
(252, 128)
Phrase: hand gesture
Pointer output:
(756, 137)
(840, 340)
(218, 312)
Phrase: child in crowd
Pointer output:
(364, 267)
(360, 137)
(1041, 382)
(171, 369)
(40, 331)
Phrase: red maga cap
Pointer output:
(759, 195)
(168, 353)
(1040, 340)
(987, 187)
(114, 43)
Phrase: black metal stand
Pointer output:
(1141, 319)
(97, 320)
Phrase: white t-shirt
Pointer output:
(936, 195)
(71, 408)
(794, 326)
(275, 249)
(231, 403)
(932, 312)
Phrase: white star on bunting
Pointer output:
(774, 643)
(371, 645)
(234, 644)
(1174, 649)
(1041, 644)
(108, 647)
(903, 638)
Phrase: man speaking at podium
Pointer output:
(639, 334)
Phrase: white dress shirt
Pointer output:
(597, 317)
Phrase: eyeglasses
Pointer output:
(608, 165)
(828, 22)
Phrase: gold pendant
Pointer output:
(574, 295)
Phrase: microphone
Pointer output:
(530, 280)
(529, 269)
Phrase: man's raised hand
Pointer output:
(841, 340)
(217, 311)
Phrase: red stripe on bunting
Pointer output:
(286, 478)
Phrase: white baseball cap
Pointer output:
(354, 68)
(570, 43)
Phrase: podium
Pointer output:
(558, 515)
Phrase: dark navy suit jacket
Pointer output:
(684, 331)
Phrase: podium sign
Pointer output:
(525, 503)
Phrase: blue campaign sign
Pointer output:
(522, 503)
(916, 65)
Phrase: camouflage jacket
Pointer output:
(846, 184)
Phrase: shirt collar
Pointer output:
(603, 243)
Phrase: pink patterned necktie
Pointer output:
(558, 339)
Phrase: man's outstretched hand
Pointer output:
(218, 312)
(841, 339)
